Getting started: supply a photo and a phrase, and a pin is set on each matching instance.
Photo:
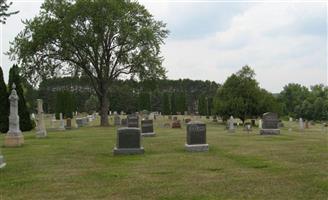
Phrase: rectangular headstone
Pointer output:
(133, 121)
(147, 128)
(270, 124)
(128, 141)
(196, 137)
(124, 122)
(196, 133)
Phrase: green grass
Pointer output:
(79, 164)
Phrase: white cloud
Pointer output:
(254, 38)
(283, 42)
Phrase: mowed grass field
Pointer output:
(79, 164)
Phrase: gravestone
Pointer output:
(260, 123)
(14, 136)
(175, 118)
(2, 162)
(325, 127)
(290, 124)
(147, 128)
(61, 122)
(128, 141)
(215, 119)
(41, 131)
(117, 120)
(306, 124)
(176, 124)
(231, 126)
(166, 125)
(248, 127)
(124, 122)
(196, 137)
(301, 124)
(270, 124)
(68, 123)
(53, 121)
(79, 122)
(133, 121)
(187, 120)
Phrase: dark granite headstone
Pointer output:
(196, 133)
(124, 122)
(270, 124)
(128, 141)
(147, 128)
(196, 137)
(215, 119)
(133, 121)
(68, 123)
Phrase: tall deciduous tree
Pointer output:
(4, 105)
(241, 97)
(4, 6)
(104, 39)
(25, 122)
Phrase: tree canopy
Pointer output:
(241, 96)
(4, 13)
(104, 40)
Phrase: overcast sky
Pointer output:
(283, 42)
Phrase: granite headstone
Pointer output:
(270, 124)
(196, 137)
(128, 141)
(133, 121)
(147, 127)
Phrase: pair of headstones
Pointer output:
(129, 139)
(269, 124)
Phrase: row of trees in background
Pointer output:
(299, 101)
(239, 96)
(166, 96)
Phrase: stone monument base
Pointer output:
(61, 129)
(14, 141)
(152, 134)
(128, 151)
(270, 131)
(196, 147)
(2, 162)
(41, 134)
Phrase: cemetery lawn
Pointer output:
(79, 164)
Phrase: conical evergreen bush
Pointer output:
(25, 122)
(4, 105)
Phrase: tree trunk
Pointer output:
(104, 106)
